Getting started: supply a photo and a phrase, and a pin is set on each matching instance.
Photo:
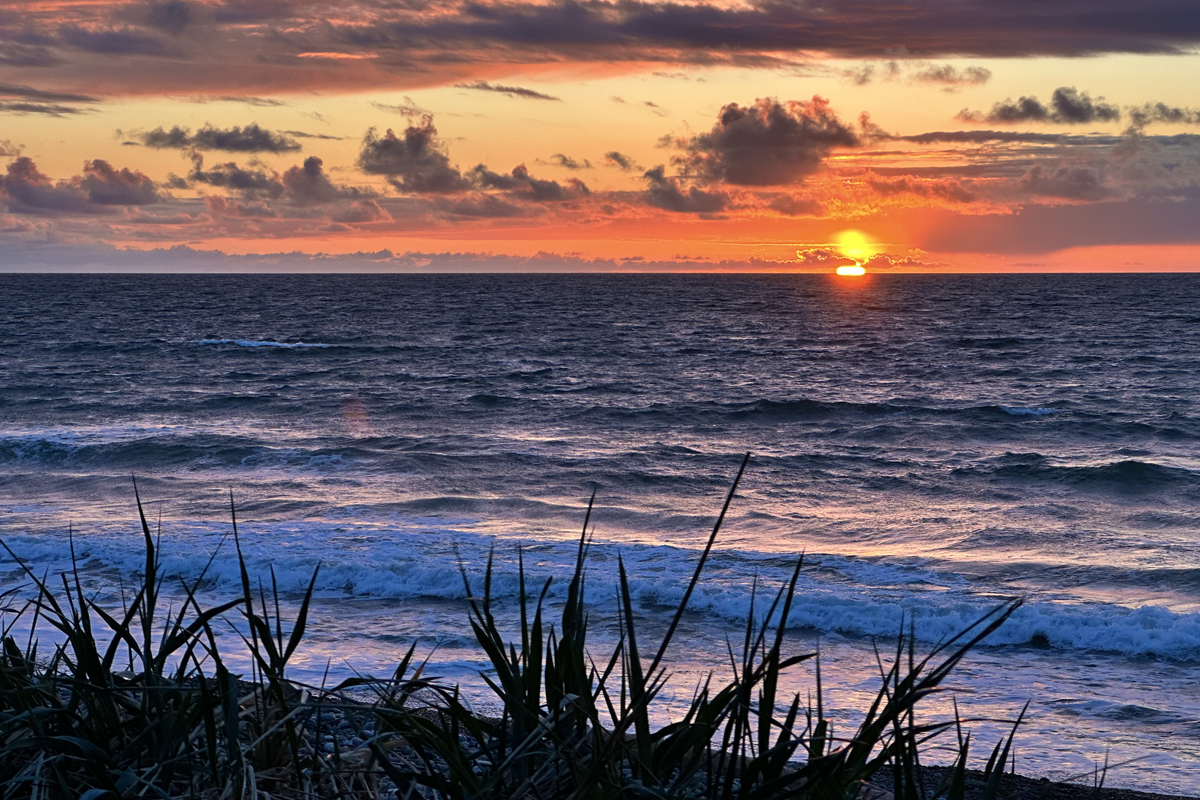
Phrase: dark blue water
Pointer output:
(933, 443)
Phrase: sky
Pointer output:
(622, 135)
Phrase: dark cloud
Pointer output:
(250, 182)
(48, 109)
(309, 185)
(322, 136)
(663, 192)
(406, 109)
(483, 205)
(1067, 182)
(39, 95)
(13, 54)
(951, 77)
(866, 73)
(362, 211)
(981, 137)
(566, 161)
(640, 29)
(511, 91)
(1068, 106)
(520, 180)
(1074, 107)
(114, 42)
(621, 161)
(944, 189)
(414, 162)
(253, 209)
(172, 16)
(795, 206)
(28, 190)
(249, 139)
(1148, 113)
(257, 102)
(117, 187)
(766, 144)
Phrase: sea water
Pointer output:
(932, 445)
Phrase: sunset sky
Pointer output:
(767, 135)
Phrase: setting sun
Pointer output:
(853, 269)
(856, 244)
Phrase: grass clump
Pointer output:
(172, 720)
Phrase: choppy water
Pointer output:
(934, 444)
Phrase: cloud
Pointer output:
(1066, 182)
(1068, 106)
(362, 211)
(865, 73)
(13, 54)
(943, 189)
(414, 163)
(28, 190)
(322, 136)
(914, 260)
(566, 161)
(644, 30)
(766, 144)
(952, 78)
(112, 187)
(48, 109)
(663, 192)
(249, 139)
(521, 180)
(1143, 115)
(483, 205)
(511, 91)
(40, 95)
(309, 185)
(172, 16)
(980, 137)
(405, 109)
(796, 206)
(114, 42)
(621, 161)
(829, 258)
(222, 207)
(822, 257)
(257, 102)
(250, 182)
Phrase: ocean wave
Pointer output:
(261, 343)
(852, 597)
(1128, 475)
(172, 450)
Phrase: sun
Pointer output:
(855, 244)
(851, 270)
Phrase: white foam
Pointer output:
(401, 561)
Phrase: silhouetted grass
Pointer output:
(171, 719)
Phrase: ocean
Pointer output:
(933, 445)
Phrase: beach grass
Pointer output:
(140, 702)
